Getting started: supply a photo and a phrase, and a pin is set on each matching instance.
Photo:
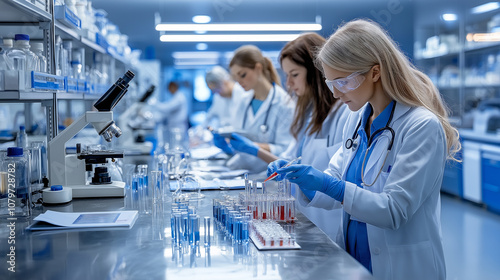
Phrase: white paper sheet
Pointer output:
(207, 153)
(221, 175)
(51, 220)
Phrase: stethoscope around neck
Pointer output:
(351, 143)
(263, 127)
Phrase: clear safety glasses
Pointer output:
(346, 84)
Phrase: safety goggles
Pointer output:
(346, 84)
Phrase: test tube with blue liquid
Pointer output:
(135, 191)
(194, 221)
(206, 227)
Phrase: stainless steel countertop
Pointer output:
(469, 134)
(146, 251)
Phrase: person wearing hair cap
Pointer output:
(226, 97)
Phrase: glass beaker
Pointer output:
(172, 161)
(36, 162)
(128, 172)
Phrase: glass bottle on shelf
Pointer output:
(8, 44)
(15, 199)
(66, 60)
(22, 41)
(59, 56)
(38, 50)
(5, 65)
(17, 58)
(70, 4)
(22, 138)
(22, 58)
(77, 66)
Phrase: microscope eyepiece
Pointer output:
(128, 76)
(115, 93)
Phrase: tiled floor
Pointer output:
(471, 237)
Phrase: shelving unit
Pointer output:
(461, 68)
(22, 16)
(466, 76)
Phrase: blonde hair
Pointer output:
(361, 44)
(249, 55)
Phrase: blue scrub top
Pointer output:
(256, 105)
(356, 237)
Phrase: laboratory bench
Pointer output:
(146, 251)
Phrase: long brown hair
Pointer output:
(301, 51)
(249, 55)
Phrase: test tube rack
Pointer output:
(232, 219)
(236, 222)
(185, 224)
(264, 205)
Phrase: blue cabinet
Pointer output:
(453, 182)
(490, 161)
(452, 178)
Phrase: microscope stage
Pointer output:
(115, 189)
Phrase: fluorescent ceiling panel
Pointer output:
(449, 17)
(239, 27)
(491, 6)
(229, 38)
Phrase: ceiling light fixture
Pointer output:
(201, 19)
(449, 17)
(201, 46)
(483, 37)
(230, 38)
(488, 7)
(186, 62)
(196, 55)
(239, 27)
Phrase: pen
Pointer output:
(286, 165)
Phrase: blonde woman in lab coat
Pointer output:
(389, 181)
(317, 124)
(264, 116)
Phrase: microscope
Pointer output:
(70, 171)
(137, 123)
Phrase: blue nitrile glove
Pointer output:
(243, 144)
(274, 166)
(310, 178)
(220, 142)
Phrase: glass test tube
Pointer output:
(194, 229)
(184, 228)
(206, 226)
(256, 201)
(247, 189)
(146, 195)
(157, 185)
(143, 168)
(178, 231)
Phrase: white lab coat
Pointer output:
(402, 209)
(278, 127)
(221, 112)
(317, 153)
(173, 112)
